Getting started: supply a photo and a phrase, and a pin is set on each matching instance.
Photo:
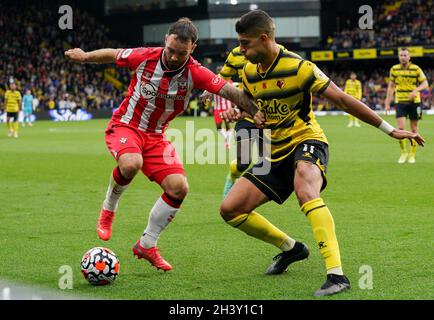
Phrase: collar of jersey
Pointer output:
(408, 67)
(270, 68)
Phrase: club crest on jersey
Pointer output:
(182, 84)
(123, 140)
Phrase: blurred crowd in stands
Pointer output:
(396, 23)
(32, 56)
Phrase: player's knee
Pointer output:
(178, 190)
(305, 194)
(308, 182)
(228, 211)
(129, 170)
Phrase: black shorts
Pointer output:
(13, 115)
(278, 183)
(413, 111)
(247, 130)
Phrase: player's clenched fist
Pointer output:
(231, 114)
(76, 55)
(259, 119)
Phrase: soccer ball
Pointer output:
(100, 266)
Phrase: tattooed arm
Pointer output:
(244, 102)
(239, 98)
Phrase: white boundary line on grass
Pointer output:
(13, 291)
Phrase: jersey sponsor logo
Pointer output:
(274, 110)
(123, 140)
(150, 91)
(405, 81)
(280, 83)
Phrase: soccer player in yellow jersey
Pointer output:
(13, 107)
(407, 80)
(353, 87)
(282, 84)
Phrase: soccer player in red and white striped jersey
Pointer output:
(159, 90)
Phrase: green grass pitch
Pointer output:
(54, 177)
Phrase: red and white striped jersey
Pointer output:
(157, 94)
(221, 104)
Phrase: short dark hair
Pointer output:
(185, 30)
(255, 22)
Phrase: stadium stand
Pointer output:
(33, 45)
(397, 23)
(32, 56)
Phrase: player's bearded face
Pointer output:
(176, 52)
(251, 48)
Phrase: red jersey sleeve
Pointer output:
(131, 58)
(205, 79)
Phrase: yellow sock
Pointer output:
(351, 117)
(9, 126)
(403, 145)
(233, 170)
(323, 228)
(260, 228)
(413, 148)
(16, 126)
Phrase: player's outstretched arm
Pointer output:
(97, 56)
(364, 113)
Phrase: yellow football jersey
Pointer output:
(406, 80)
(13, 100)
(284, 95)
(234, 65)
(354, 88)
